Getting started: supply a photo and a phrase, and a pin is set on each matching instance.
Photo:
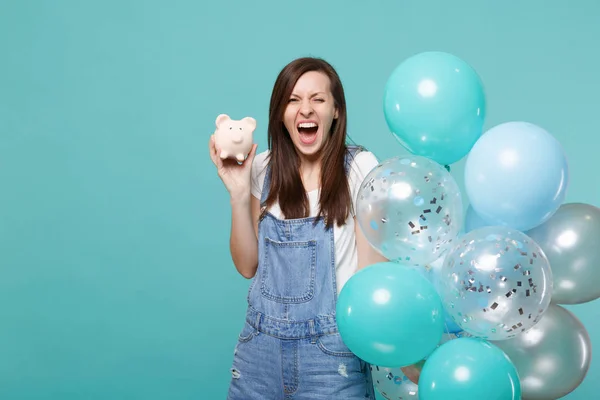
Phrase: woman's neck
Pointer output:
(310, 173)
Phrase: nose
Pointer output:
(306, 109)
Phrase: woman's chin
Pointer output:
(308, 148)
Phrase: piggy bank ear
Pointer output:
(251, 122)
(222, 118)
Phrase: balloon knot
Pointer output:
(447, 168)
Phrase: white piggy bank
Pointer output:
(234, 138)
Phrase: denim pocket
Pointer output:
(333, 345)
(247, 333)
(289, 271)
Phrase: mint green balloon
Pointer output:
(434, 104)
(390, 315)
(469, 368)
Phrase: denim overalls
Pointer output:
(290, 347)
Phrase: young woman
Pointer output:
(294, 232)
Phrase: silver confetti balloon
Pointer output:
(553, 357)
(392, 384)
(496, 283)
(410, 209)
(570, 240)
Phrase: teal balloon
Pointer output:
(390, 315)
(435, 105)
(469, 368)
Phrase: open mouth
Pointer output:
(308, 132)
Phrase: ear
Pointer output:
(336, 114)
(222, 118)
(250, 121)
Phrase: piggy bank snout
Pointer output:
(237, 139)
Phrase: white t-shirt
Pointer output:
(346, 261)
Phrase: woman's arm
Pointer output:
(367, 255)
(243, 242)
(245, 208)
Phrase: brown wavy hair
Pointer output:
(286, 184)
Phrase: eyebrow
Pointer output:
(314, 94)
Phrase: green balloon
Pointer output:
(390, 315)
(469, 368)
(434, 104)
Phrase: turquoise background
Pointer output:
(115, 275)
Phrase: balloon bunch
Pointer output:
(468, 305)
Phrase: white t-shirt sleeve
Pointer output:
(259, 170)
(363, 163)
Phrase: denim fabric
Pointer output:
(290, 346)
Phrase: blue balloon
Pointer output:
(516, 175)
(449, 325)
(473, 221)
(432, 274)
(435, 106)
(390, 315)
(469, 368)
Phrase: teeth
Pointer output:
(307, 125)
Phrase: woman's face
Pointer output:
(310, 113)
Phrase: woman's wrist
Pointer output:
(239, 198)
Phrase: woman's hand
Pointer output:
(235, 176)
(413, 372)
